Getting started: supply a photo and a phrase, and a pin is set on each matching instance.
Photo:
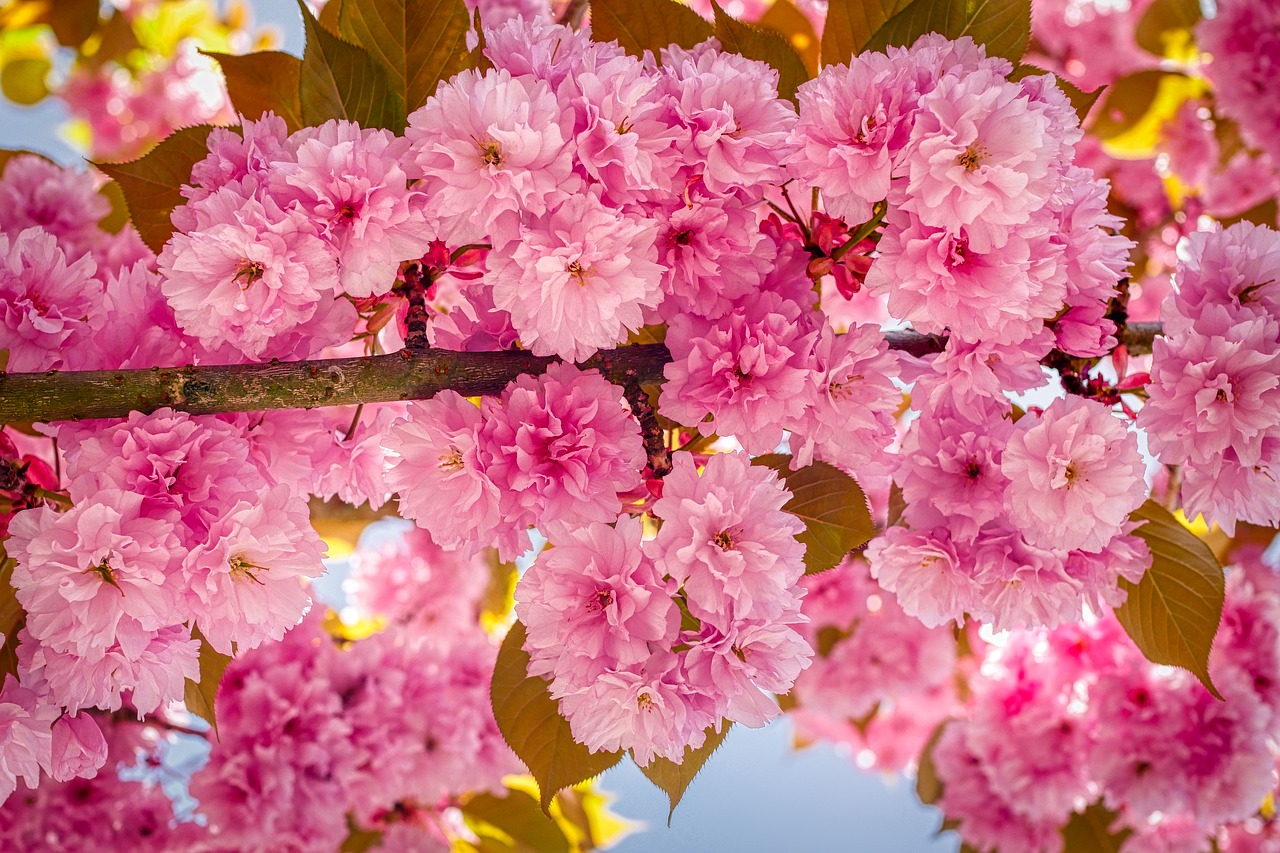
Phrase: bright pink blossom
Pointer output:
(49, 308)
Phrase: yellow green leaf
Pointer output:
(851, 24)
(674, 778)
(640, 25)
(1172, 614)
(199, 696)
(832, 506)
(928, 785)
(266, 81)
(417, 42)
(1132, 116)
(340, 80)
(1167, 28)
(152, 184)
(515, 821)
(12, 618)
(763, 45)
(530, 722)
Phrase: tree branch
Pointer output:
(405, 375)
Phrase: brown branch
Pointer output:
(405, 375)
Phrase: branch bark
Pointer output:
(405, 375)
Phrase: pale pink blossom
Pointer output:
(931, 578)
(737, 666)
(350, 184)
(49, 308)
(440, 470)
(96, 574)
(1243, 41)
(595, 595)
(1237, 268)
(64, 202)
(726, 539)
(578, 279)
(251, 152)
(1074, 474)
(491, 148)
(747, 374)
(251, 277)
(25, 738)
(247, 583)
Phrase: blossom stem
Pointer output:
(404, 375)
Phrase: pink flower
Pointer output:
(64, 202)
(562, 447)
(854, 123)
(736, 666)
(1237, 268)
(1242, 39)
(79, 748)
(931, 578)
(252, 277)
(25, 739)
(350, 185)
(181, 467)
(737, 125)
(143, 331)
(713, 254)
(1074, 476)
(1021, 585)
(939, 278)
(578, 279)
(49, 309)
(853, 420)
(594, 595)
(626, 141)
(1227, 490)
(246, 584)
(650, 708)
(491, 148)
(981, 155)
(251, 152)
(727, 541)
(88, 574)
(439, 469)
(750, 371)
(950, 467)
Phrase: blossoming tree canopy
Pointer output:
(805, 360)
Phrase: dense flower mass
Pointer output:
(910, 286)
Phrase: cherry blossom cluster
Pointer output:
(1063, 718)
(1215, 376)
(383, 731)
(649, 645)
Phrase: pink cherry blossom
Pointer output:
(726, 540)
(578, 279)
(595, 595)
(79, 748)
(1074, 474)
(49, 308)
(930, 576)
(25, 739)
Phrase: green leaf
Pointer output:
(530, 722)
(854, 26)
(832, 506)
(1090, 832)
(266, 81)
(519, 821)
(851, 24)
(341, 80)
(417, 42)
(152, 185)
(764, 45)
(118, 217)
(674, 778)
(1081, 101)
(793, 25)
(72, 21)
(928, 785)
(1172, 614)
(1132, 117)
(199, 696)
(640, 25)
(359, 840)
(1166, 28)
